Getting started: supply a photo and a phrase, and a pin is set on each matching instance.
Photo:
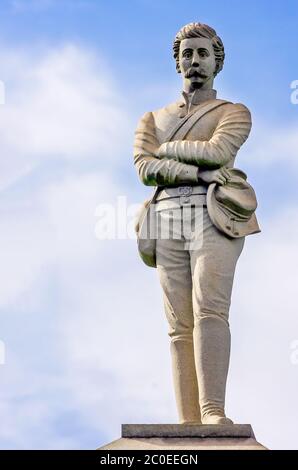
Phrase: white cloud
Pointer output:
(271, 144)
(59, 105)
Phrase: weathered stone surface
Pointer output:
(185, 437)
(191, 430)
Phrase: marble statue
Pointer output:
(187, 150)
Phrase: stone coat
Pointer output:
(212, 142)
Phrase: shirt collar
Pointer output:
(197, 97)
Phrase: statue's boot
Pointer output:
(212, 353)
(185, 380)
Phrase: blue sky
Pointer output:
(79, 315)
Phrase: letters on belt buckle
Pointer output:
(184, 190)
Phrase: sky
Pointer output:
(83, 337)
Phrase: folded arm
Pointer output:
(230, 133)
(152, 170)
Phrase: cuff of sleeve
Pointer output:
(191, 173)
(163, 150)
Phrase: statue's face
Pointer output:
(197, 61)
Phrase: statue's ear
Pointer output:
(218, 69)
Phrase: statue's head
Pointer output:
(199, 53)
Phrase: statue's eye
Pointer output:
(187, 54)
(204, 54)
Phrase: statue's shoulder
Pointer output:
(171, 109)
(233, 112)
(235, 107)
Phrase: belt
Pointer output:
(173, 197)
(167, 192)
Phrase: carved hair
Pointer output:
(200, 30)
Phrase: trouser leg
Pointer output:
(173, 266)
(213, 267)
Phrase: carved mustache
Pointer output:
(194, 73)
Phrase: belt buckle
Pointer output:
(185, 190)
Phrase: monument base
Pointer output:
(185, 437)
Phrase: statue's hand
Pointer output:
(219, 176)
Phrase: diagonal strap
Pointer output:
(184, 126)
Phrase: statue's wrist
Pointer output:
(162, 150)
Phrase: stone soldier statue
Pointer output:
(185, 149)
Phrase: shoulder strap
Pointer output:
(184, 126)
(155, 194)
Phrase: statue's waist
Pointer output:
(175, 196)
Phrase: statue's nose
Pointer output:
(195, 61)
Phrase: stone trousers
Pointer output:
(196, 271)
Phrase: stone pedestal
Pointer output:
(185, 437)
